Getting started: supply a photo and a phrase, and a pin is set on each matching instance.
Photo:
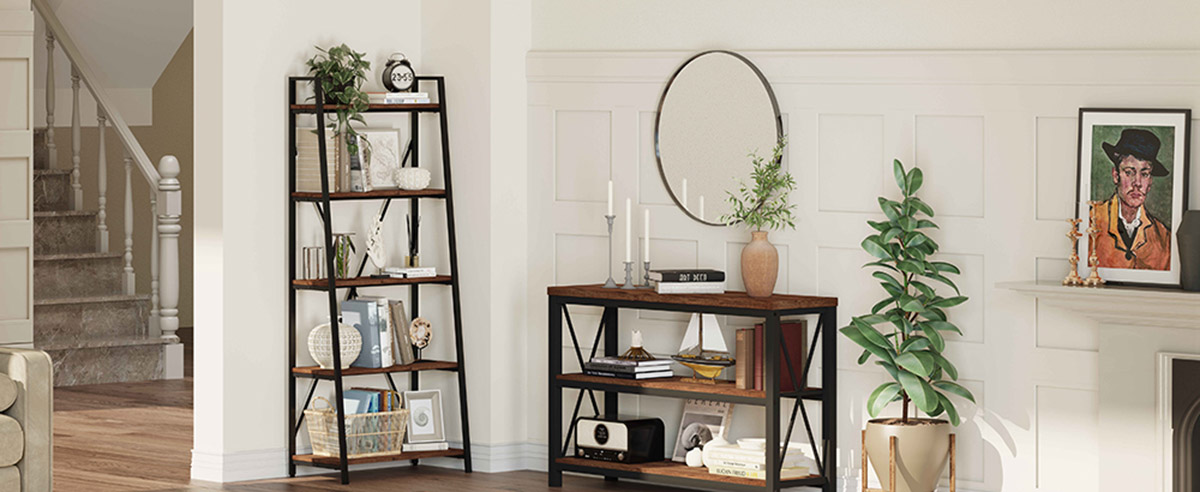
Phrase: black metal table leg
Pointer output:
(611, 402)
(771, 338)
(554, 436)
(828, 320)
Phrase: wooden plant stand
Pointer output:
(892, 445)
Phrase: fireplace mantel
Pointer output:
(1120, 305)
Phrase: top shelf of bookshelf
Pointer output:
(373, 108)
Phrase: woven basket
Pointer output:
(367, 434)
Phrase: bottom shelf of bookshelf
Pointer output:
(333, 461)
(673, 473)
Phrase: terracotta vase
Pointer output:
(760, 265)
(922, 449)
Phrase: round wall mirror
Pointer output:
(717, 108)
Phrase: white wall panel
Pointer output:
(1057, 141)
(849, 164)
(950, 151)
(582, 155)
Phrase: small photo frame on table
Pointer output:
(1134, 162)
(425, 422)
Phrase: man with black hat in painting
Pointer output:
(1130, 237)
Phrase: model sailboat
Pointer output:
(703, 349)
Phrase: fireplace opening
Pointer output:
(1185, 417)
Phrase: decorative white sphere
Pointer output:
(695, 458)
(412, 178)
(320, 345)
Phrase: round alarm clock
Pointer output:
(398, 74)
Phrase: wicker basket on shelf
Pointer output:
(367, 434)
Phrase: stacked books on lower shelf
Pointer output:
(407, 272)
(398, 97)
(736, 461)
(694, 281)
(614, 367)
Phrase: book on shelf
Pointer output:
(744, 359)
(389, 97)
(794, 337)
(627, 362)
(385, 327)
(410, 272)
(400, 337)
(364, 316)
(308, 162)
(688, 287)
(424, 446)
(628, 369)
(784, 474)
(732, 455)
(631, 375)
(356, 401)
(380, 400)
(687, 275)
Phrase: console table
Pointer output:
(771, 309)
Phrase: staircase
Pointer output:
(87, 314)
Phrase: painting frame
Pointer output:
(1145, 250)
(710, 417)
(428, 402)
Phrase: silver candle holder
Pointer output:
(628, 277)
(646, 274)
(610, 284)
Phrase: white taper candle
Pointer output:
(646, 257)
(685, 202)
(628, 229)
(609, 198)
(701, 207)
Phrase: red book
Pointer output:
(794, 336)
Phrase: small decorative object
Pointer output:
(610, 284)
(702, 422)
(420, 331)
(1093, 279)
(911, 352)
(1134, 163)
(375, 247)
(695, 457)
(412, 260)
(1189, 250)
(703, 349)
(320, 344)
(342, 72)
(412, 178)
(398, 74)
(314, 262)
(425, 416)
(763, 205)
(636, 352)
(379, 156)
(1073, 277)
(343, 249)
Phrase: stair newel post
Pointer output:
(128, 279)
(170, 196)
(51, 148)
(102, 184)
(76, 186)
(154, 327)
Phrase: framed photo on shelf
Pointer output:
(1132, 183)
(702, 420)
(379, 153)
(424, 416)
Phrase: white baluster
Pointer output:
(51, 148)
(168, 231)
(102, 180)
(154, 327)
(76, 186)
(129, 284)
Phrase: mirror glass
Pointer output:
(716, 110)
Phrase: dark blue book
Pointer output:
(364, 315)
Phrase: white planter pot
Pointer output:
(922, 449)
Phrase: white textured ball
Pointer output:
(412, 178)
(320, 345)
(695, 458)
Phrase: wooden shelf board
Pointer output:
(421, 365)
(731, 299)
(313, 196)
(322, 284)
(725, 390)
(371, 108)
(415, 455)
(668, 469)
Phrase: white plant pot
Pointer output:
(412, 178)
(922, 448)
(320, 345)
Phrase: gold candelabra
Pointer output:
(1093, 280)
(1073, 278)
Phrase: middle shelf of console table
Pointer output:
(770, 309)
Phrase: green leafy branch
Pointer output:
(342, 72)
(766, 203)
(913, 314)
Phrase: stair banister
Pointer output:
(76, 186)
(102, 185)
(127, 280)
(170, 209)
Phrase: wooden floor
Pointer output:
(138, 437)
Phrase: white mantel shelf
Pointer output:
(1138, 306)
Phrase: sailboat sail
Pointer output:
(714, 341)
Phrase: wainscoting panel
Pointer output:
(994, 133)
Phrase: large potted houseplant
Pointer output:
(763, 205)
(905, 335)
(341, 72)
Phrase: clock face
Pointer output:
(402, 77)
(398, 76)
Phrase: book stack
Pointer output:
(370, 400)
(398, 97)
(383, 325)
(410, 447)
(695, 281)
(734, 461)
(409, 272)
(748, 369)
(613, 367)
(308, 160)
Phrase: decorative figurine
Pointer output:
(1093, 279)
(420, 331)
(704, 353)
(636, 352)
(1073, 278)
(375, 247)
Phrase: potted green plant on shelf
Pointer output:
(904, 333)
(341, 72)
(764, 205)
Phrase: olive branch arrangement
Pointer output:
(913, 312)
(341, 72)
(766, 203)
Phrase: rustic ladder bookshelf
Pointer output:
(323, 201)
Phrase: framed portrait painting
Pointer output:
(1133, 174)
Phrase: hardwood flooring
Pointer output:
(138, 437)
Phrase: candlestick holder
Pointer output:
(646, 275)
(629, 277)
(1093, 279)
(610, 284)
(1073, 278)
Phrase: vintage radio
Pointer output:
(619, 440)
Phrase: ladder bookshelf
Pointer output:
(323, 200)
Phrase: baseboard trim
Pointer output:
(239, 466)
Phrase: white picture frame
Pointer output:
(425, 422)
(380, 157)
(701, 421)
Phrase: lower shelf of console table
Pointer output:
(679, 474)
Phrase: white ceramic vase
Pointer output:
(412, 178)
(320, 345)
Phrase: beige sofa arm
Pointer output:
(33, 373)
